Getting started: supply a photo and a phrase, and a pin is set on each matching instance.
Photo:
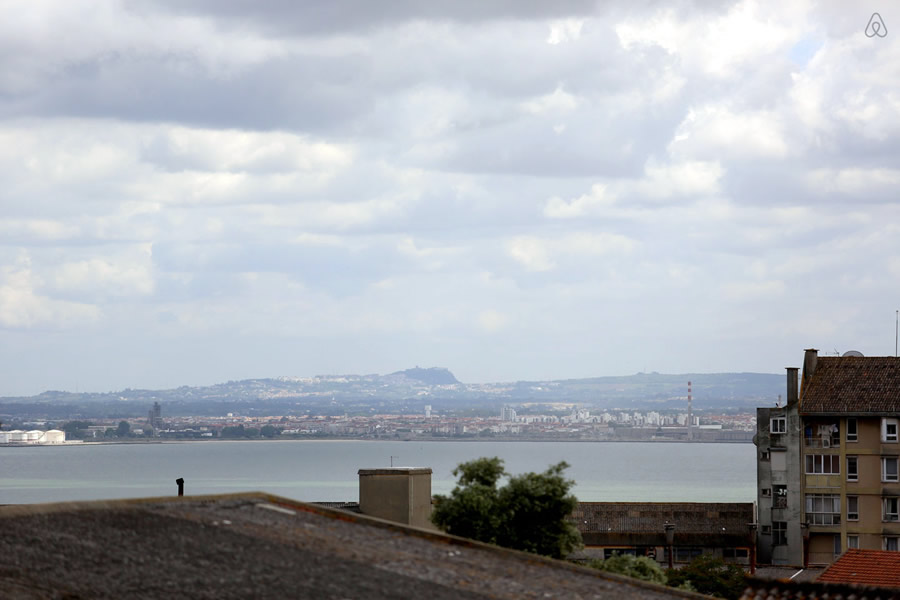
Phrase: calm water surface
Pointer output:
(327, 470)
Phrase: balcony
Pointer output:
(822, 442)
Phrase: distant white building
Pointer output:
(35, 436)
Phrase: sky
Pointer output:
(197, 191)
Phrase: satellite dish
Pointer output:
(854, 353)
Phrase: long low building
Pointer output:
(723, 529)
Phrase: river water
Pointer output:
(327, 470)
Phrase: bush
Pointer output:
(710, 575)
(639, 567)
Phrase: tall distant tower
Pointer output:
(154, 417)
(690, 433)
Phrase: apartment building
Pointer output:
(827, 462)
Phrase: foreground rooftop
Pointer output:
(258, 545)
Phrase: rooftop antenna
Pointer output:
(896, 330)
(392, 460)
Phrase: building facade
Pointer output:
(836, 487)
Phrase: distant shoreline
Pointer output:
(79, 443)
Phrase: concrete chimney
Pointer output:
(399, 494)
(810, 357)
(792, 396)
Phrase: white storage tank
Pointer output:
(4, 437)
(34, 436)
(54, 436)
(16, 435)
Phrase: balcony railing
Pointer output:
(818, 442)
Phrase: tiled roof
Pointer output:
(758, 589)
(605, 523)
(261, 546)
(865, 567)
(853, 385)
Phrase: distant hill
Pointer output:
(409, 390)
(431, 376)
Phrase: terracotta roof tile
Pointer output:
(865, 567)
(853, 385)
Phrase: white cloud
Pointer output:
(565, 30)
(558, 101)
(557, 208)
(492, 321)
(544, 253)
(22, 307)
(717, 132)
(104, 276)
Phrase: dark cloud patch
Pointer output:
(288, 94)
(324, 17)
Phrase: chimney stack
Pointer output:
(792, 396)
(399, 494)
(810, 357)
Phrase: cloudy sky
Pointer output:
(202, 190)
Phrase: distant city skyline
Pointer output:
(198, 192)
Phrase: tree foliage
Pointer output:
(528, 513)
(710, 575)
(639, 567)
(124, 429)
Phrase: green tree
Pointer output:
(639, 567)
(76, 429)
(528, 513)
(124, 429)
(268, 431)
(710, 575)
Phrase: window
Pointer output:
(889, 469)
(853, 508)
(890, 543)
(780, 493)
(837, 544)
(766, 492)
(779, 533)
(766, 529)
(889, 509)
(778, 425)
(852, 542)
(823, 464)
(764, 455)
(823, 509)
(888, 430)
(852, 434)
(735, 553)
(852, 468)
